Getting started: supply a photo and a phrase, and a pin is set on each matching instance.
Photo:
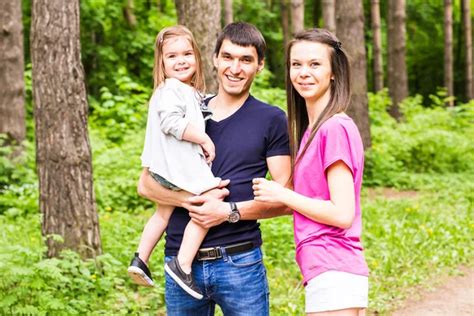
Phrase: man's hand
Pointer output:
(207, 211)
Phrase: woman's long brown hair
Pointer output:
(340, 89)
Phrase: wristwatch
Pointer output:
(234, 215)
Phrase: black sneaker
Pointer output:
(139, 272)
(185, 281)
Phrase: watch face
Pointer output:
(234, 217)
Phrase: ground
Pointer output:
(453, 296)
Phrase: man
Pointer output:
(251, 138)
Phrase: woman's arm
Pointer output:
(339, 211)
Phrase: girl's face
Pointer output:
(179, 59)
(310, 70)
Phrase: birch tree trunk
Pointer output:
(350, 31)
(63, 154)
(12, 85)
(397, 70)
(203, 18)
(376, 29)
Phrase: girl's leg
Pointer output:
(192, 240)
(154, 229)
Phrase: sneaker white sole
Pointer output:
(188, 290)
(139, 277)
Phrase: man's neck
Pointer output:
(224, 105)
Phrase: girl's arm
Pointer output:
(339, 211)
(194, 135)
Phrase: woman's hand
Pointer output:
(268, 191)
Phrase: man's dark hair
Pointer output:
(242, 34)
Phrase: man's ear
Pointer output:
(261, 65)
(214, 60)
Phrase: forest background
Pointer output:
(418, 186)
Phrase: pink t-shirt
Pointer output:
(320, 247)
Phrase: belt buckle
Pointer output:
(211, 253)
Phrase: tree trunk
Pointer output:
(350, 31)
(129, 15)
(285, 25)
(316, 12)
(466, 8)
(228, 12)
(12, 85)
(297, 16)
(203, 18)
(63, 154)
(376, 29)
(397, 70)
(329, 15)
(448, 49)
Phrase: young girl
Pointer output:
(327, 176)
(177, 150)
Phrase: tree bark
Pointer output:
(63, 154)
(466, 8)
(376, 29)
(129, 14)
(12, 85)
(203, 18)
(228, 12)
(350, 31)
(397, 70)
(448, 49)
(297, 16)
(285, 25)
(329, 15)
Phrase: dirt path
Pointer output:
(453, 296)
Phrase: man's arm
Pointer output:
(209, 212)
(280, 170)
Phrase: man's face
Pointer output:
(236, 68)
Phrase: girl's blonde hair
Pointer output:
(197, 80)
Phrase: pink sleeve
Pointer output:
(336, 146)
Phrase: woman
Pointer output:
(328, 162)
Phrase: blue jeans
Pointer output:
(237, 283)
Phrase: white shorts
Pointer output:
(335, 290)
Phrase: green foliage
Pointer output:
(18, 182)
(263, 90)
(109, 42)
(67, 285)
(428, 140)
(121, 110)
(408, 241)
(116, 172)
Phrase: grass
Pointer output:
(408, 241)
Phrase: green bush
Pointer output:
(427, 140)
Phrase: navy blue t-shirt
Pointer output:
(243, 141)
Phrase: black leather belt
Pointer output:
(214, 253)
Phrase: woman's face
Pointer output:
(310, 70)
